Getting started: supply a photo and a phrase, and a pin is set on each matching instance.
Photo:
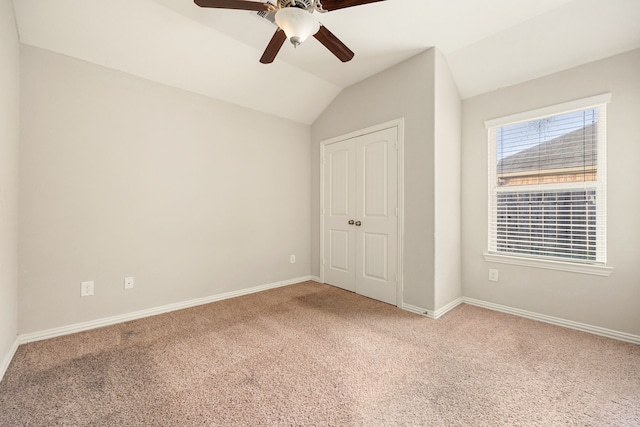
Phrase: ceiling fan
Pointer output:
(295, 21)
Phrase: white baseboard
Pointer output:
(609, 333)
(447, 308)
(85, 326)
(7, 359)
(415, 309)
(315, 279)
(432, 314)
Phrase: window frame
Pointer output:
(597, 267)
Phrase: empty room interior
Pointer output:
(320, 212)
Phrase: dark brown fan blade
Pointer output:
(341, 4)
(234, 4)
(273, 47)
(332, 43)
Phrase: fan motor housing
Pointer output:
(304, 4)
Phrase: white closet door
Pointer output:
(360, 221)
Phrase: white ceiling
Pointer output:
(488, 44)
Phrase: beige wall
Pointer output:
(193, 197)
(447, 144)
(9, 125)
(405, 90)
(608, 302)
(120, 176)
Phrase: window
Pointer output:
(547, 183)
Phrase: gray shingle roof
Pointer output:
(574, 149)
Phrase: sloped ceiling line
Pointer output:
(214, 52)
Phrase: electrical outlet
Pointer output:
(128, 282)
(493, 275)
(86, 288)
(292, 259)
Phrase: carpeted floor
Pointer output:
(312, 354)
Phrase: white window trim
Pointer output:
(594, 269)
(566, 107)
(598, 269)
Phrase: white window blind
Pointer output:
(547, 183)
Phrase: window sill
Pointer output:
(597, 270)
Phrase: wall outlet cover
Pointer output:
(86, 288)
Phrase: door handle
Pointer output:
(351, 222)
(358, 223)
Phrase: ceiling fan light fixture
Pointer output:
(298, 24)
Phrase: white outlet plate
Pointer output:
(493, 275)
(292, 259)
(86, 288)
(128, 282)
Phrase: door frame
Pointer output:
(399, 125)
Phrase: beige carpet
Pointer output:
(311, 354)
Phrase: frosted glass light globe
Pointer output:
(297, 24)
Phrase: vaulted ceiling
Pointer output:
(488, 44)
